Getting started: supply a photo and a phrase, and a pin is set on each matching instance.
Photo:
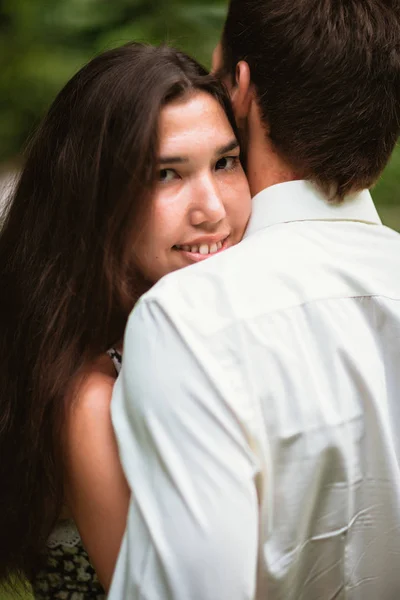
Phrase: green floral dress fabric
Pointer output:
(67, 575)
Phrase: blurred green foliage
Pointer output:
(43, 42)
(387, 192)
(19, 592)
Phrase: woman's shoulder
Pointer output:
(88, 428)
(97, 382)
(90, 395)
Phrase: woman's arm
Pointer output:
(96, 491)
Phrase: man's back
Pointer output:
(296, 339)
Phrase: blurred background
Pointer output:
(43, 42)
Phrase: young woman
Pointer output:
(134, 173)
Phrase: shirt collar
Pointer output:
(304, 201)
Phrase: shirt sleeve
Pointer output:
(192, 530)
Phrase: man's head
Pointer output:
(326, 78)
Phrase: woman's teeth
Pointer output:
(201, 249)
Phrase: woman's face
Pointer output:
(201, 203)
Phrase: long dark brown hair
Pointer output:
(66, 278)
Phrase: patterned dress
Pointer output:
(68, 574)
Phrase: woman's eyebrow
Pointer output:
(174, 160)
(233, 144)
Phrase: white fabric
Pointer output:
(258, 414)
(65, 533)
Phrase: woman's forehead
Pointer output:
(191, 123)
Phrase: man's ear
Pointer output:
(242, 93)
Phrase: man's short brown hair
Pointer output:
(327, 76)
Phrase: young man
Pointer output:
(258, 410)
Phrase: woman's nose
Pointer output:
(208, 204)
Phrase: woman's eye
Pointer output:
(167, 175)
(227, 163)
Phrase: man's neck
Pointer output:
(262, 174)
(265, 167)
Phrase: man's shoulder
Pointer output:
(280, 268)
(194, 279)
(254, 275)
(200, 291)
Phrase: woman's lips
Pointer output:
(200, 252)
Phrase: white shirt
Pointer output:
(258, 414)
